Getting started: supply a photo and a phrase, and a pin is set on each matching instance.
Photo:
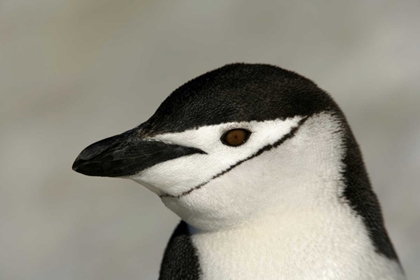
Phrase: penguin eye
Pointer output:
(235, 137)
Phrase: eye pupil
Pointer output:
(235, 137)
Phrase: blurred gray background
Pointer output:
(75, 71)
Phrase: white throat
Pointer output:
(327, 243)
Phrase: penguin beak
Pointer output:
(126, 154)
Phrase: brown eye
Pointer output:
(235, 137)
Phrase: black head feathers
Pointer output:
(238, 92)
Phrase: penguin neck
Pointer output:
(325, 241)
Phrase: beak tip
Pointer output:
(78, 162)
(88, 168)
(75, 165)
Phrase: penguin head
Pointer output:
(229, 145)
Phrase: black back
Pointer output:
(358, 192)
(180, 261)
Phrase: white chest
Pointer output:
(312, 245)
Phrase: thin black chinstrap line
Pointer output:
(259, 152)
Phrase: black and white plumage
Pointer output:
(293, 201)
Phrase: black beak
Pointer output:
(125, 154)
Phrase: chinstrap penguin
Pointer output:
(263, 169)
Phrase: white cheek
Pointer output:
(303, 171)
(177, 176)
